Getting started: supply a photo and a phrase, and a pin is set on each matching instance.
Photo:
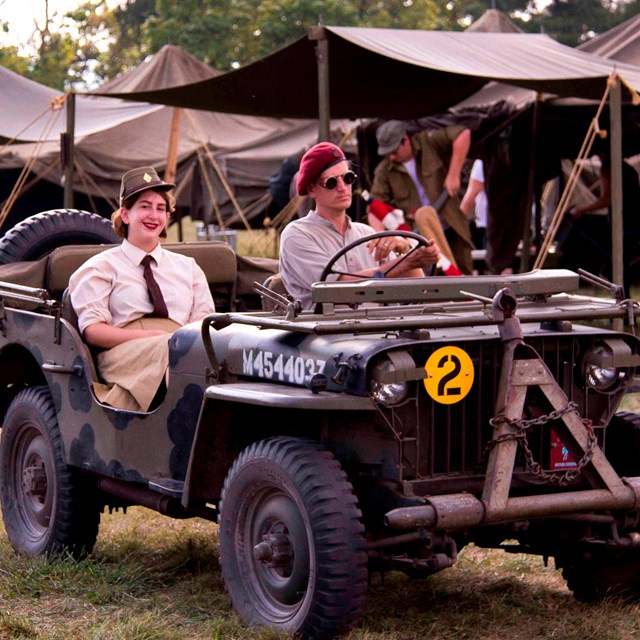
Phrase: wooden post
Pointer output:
(525, 256)
(324, 103)
(615, 119)
(172, 153)
(70, 143)
(172, 156)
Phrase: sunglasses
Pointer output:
(331, 183)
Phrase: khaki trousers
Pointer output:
(456, 248)
(429, 225)
(133, 371)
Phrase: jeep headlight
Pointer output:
(388, 393)
(599, 370)
(384, 389)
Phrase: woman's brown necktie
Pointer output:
(155, 294)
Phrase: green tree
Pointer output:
(11, 59)
(571, 22)
(227, 33)
(129, 45)
(51, 58)
(98, 41)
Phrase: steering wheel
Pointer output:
(422, 242)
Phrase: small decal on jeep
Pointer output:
(277, 366)
(449, 375)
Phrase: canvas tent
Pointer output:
(493, 21)
(245, 150)
(33, 120)
(224, 160)
(561, 124)
(393, 73)
(621, 43)
(32, 112)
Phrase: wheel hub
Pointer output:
(34, 480)
(274, 550)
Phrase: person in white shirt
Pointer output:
(117, 301)
(474, 203)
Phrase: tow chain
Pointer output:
(520, 436)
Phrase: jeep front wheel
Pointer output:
(291, 540)
(602, 574)
(47, 506)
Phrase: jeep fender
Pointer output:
(235, 415)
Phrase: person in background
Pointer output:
(307, 244)
(420, 175)
(474, 204)
(130, 298)
(630, 218)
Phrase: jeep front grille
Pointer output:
(439, 440)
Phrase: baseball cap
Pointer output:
(389, 136)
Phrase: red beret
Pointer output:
(320, 157)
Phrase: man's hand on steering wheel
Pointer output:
(424, 254)
(380, 248)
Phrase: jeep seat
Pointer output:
(216, 259)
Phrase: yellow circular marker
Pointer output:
(449, 375)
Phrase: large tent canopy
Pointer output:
(393, 73)
(219, 156)
(619, 44)
(32, 112)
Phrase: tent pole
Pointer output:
(172, 153)
(322, 58)
(70, 143)
(525, 256)
(172, 156)
(615, 124)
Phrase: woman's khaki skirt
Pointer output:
(132, 372)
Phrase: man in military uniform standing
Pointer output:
(413, 176)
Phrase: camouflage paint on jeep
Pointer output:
(181, 343)
(120, 418)
(368, 466)
(116, 470)
(83, 452)
(182, 423)
(79, 394)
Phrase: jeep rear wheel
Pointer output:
(606, 574)
(47, 506)
(291, 540)
(43, 232)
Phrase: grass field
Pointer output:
(152, 578)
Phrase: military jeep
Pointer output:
(395, 423)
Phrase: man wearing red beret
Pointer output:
(307, 244)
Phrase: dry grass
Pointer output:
(152, 578)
